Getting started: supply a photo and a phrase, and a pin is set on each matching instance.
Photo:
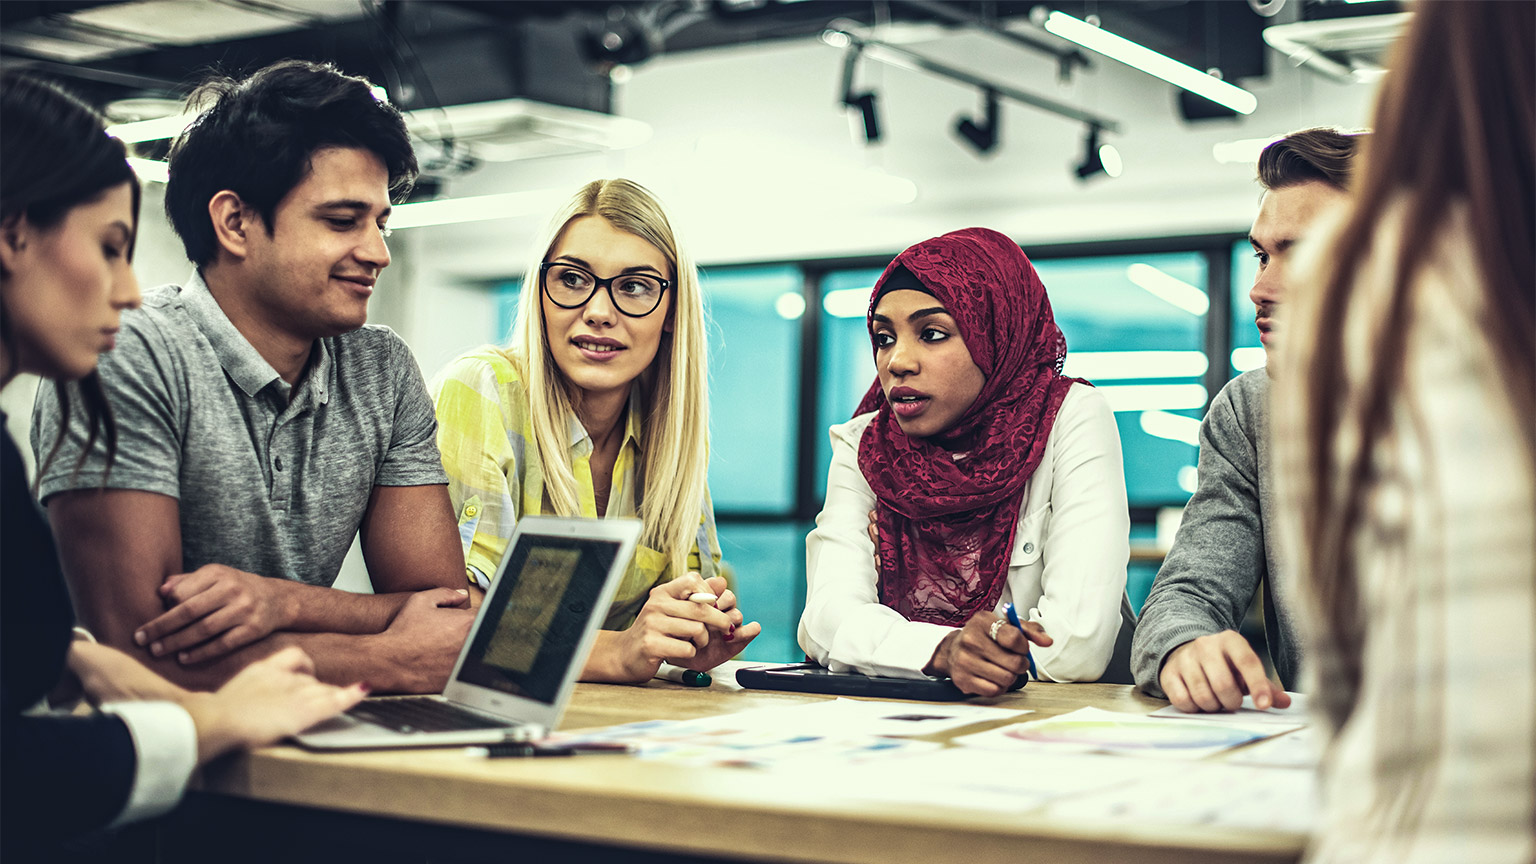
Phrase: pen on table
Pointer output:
(520, 749)
(688, 677)
(1013, 618)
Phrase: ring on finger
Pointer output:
(996, 626)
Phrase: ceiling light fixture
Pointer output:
(1168, 288)
(477, 208)
(1149, 61)
(151, 130)
(865, 101)
(1098, 158)
(982, 136)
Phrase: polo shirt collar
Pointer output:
(243, 363)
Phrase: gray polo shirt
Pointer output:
(271, 479)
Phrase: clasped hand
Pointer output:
(671, 628)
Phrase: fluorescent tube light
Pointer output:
(1153, 397)
(1173, 427)
(478, 208)
(151, 130)
(1249, 359)
(1244, 151)
(1150, 62)
(847, 302)
(1168, 288)
(1111, 365)
(150, 170)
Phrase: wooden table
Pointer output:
(482, 810)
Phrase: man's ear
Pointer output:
(232, 221)
(15, 233)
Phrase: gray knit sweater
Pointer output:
(1225, 549)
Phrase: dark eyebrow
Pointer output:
(1280, 246)
(351, 204)
(924, 313)
(639, 268)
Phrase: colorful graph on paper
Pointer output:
(1095, 730)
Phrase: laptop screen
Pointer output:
(538, 614)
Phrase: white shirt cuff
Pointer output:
(165, 743)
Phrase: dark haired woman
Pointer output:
(68, 217)
(993, 480)
(1405, 429)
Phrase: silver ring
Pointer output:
(996, 626)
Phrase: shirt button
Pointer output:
(471, 511)
(279, 463)
(1029, 548)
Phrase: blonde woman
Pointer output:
(599, 408)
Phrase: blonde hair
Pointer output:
(674, 464)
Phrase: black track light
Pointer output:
(1098, 158)
(868, 112)
(865, 102)
(983, 136)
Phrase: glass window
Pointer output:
(1135, 327)
(847, 361)
(754, 369)
(769, 562)
(1247, 351)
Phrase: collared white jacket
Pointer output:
(1067, 568)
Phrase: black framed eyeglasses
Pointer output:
(570, 287)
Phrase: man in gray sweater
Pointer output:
(1187, 647)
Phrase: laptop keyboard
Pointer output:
(421, 714)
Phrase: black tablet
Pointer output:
(811, 678)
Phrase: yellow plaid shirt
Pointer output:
(485, 433)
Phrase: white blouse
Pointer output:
(1067, 567)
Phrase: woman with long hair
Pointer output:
(68, 218)
(600, 408)
(974, 476)
(1405, 429)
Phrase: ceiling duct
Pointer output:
(505, 130)
(1344, 49)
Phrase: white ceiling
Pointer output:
(757, 159)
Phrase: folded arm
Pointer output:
(119, 547)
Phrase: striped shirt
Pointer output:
(1432, 755)
(495, 475)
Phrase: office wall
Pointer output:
(755, 157)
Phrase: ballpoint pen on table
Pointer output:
(1013, 618)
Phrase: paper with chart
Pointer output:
(1094, 730)
(1300, 749)
(1295, 714)
(1204, 794)
(973, 778)
(839, 731)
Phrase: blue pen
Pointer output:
(1013, 618)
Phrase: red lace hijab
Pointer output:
(947, 524)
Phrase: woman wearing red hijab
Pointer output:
(988, 478)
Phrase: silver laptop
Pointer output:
(528, 644)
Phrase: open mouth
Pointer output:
(595, 346)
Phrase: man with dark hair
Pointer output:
(261, 425)
(1187, 647)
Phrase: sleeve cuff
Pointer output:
(165, 747)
